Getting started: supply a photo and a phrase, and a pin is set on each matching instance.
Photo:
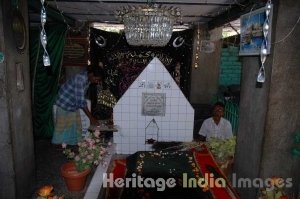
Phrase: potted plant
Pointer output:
(91, 151)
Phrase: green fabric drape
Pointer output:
(45, 79)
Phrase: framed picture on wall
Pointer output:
(76, 51)
(252, 32)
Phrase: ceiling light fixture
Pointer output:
(150, 25)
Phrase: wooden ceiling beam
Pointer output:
(139, 2)
(235, 12)
(55, 15)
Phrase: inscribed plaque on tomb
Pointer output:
(153, 104)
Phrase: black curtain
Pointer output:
(124, 63)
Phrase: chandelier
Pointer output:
(149, 25)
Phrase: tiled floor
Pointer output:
(48, 162)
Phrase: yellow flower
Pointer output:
(277, 182)
(45, 190)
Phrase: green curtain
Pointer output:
(45, 79)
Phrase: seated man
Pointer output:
(216, 126)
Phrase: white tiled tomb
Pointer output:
(152, 109)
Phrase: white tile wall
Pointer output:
(176, 125)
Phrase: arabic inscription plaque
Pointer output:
(154, 104)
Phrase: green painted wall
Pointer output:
(230, 67)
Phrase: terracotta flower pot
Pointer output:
(74, 180)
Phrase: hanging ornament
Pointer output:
(265, 45)
(43, 36)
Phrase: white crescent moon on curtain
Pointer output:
(176, 40)
(100, 41)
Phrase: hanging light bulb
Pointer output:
(43, 16)
(196, 65)
(264, 51)
(46, 59)
(43, 39)
(266, 28)
(263, 56)
(268, 8)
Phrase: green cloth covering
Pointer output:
(170, 165)
(45, 79)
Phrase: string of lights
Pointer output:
(197, 48)
(290, 32)
(43, 36)
(265, 44)
(260, 77)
